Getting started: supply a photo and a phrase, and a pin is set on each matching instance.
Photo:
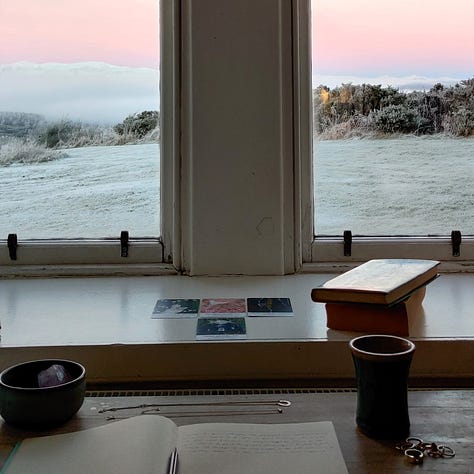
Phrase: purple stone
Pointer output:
(54, 375)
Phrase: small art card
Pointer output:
(221, 328)
(273, 307)
(176, 308)
(223, 307)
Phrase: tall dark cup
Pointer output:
(382, 364)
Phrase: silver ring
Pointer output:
(415, 456)
(446, 451)
(414, 440)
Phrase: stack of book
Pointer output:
(378, 296)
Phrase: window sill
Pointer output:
(105, 323)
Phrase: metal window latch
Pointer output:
(347, 243)
(124, 243)
(12, 243)
(456, 242)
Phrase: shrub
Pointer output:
(460, 123)
(397, 119)
(140, 124)
(20, 151)
(56, 134)
(387, 110)
(68, 134)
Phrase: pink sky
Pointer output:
(390, 37)
(120, 32)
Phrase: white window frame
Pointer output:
(103, 256)
(288, 231)
(320, 253)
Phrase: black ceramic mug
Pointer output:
(382, 364)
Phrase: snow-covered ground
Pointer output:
(93, 192)
(395, 186)
(399, 186)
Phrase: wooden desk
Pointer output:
(444, 417)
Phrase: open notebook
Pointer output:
(143, 444)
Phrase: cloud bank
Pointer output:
(405, 83)
(92, 92)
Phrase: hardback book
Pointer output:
(381, 281)
(375, 318)
(144, 444)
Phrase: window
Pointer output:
(393, 127)
(80, 130)
(233, 188)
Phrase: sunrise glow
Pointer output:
(374, 37)
(124, 33)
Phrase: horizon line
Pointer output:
(60, 63)
(404, 82)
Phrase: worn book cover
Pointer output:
(376, 318)
(382, 281)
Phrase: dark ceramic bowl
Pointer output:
(25, 404)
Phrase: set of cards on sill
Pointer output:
(221, 317)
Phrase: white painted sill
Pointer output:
(105, 322)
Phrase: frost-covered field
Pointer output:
(394, 186)
(391, 186)
(93, 192)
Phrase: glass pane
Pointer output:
(79, 118)
(393, 110)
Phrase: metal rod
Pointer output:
(189, 414)
(154, 411)
(281, 403)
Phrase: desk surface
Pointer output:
(444, 417)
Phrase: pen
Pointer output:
(173, 462)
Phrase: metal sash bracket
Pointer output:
(456, 242)
(347, 243)
(12, 243)
(124, 243)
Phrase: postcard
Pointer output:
(223, 307)
(221, 328)
(273, 307)
(176, 308)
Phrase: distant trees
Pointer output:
(35, 129)
(28, 138)
(69, 134)
(374, 110)
(19, 124)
